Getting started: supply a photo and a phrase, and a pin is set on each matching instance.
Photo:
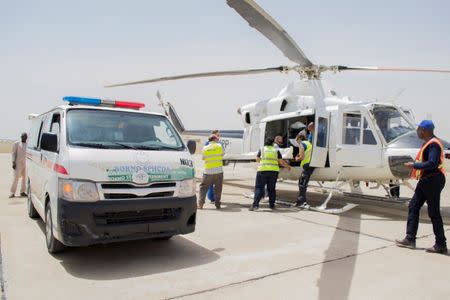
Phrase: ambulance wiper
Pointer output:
(91, 145)
(159, 147)
(125, 145)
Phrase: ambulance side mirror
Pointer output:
(192, 146)
(49, 142)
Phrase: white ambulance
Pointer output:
(101, 171)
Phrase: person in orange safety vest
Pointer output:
(428, 168)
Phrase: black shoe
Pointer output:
(23, 195)
(253, 208)
(218, 206)
(406, 243)
(272, 207)
(437, 249)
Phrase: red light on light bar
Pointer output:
(125, 104)
(60, 169)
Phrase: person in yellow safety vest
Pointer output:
(304, 155)
(429, 170)
(269, 160)
(213, 173)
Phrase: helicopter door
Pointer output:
(357, 145)
(320, 139)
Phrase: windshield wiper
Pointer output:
(160, 147)
(125, 145)
(91, 145)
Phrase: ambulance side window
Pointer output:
(45, 127)
(55, 126)
(368, 138)
(352, 129)
(35, 132)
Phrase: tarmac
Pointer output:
(234, 253)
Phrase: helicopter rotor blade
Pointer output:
(206, 74)
(265, 24)
(346, 68)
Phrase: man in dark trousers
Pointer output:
(429, 170)
(269, 160)
(304, 155)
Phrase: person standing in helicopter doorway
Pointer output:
(305, 151)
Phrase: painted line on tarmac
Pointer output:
(2, 281)
(291, 270)
(277, 273)
(341, 229)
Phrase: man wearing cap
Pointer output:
(213, 174)
(18, 154)
(429, 170)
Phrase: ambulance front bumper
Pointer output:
(106, 221)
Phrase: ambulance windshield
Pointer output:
(391, 122)
(118, 130)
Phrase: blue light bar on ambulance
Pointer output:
(103, 102)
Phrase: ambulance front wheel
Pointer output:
(53, 245)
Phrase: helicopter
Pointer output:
(353, 141)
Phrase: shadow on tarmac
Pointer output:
(335, 281)
(133, 259)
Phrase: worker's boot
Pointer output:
(437, 249)
(406, 243)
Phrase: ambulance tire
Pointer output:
(53, 245)
(32, 212)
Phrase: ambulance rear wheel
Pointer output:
(32, 212)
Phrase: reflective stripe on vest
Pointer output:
(269, 159)
(213, 155)
(417, 174)
(308, 151)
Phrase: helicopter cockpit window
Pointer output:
(391, 122)
(368, 137)
(352, 129)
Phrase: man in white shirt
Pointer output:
(18, 155)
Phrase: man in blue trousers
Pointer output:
(429, 170)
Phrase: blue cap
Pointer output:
(426, 124)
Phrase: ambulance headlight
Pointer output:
(79, 191)
(186, 188)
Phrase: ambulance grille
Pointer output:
(127, 190)
(137, 217)
(133, 196)
(132, 186)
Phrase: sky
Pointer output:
(51, 49)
